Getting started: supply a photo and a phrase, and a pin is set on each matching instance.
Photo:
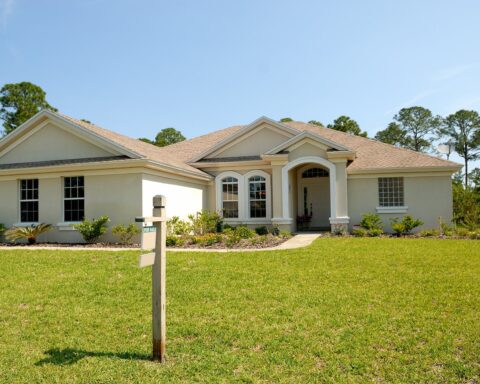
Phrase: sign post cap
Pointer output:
(159, 201)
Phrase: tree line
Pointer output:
(415, 128)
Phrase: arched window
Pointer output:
(314, 172)
(230, 197)
(257, 200)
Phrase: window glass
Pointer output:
(29, 201)
(257, 196)
(390, 192)
(74, 198)
(230, 197)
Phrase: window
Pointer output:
(390, 192)
(314, 172)
(74, 198)
(258, 196)
(29, 201)
(230, 197)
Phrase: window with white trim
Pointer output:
(390, 192)
(314, 172)
(74, 198)
(257, 187)
(29, 201)
(230, 197)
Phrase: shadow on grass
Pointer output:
(68, 356)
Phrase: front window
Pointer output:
(74, 199)
(257, 197)
(230, 197)
(314, 172)
(390, 192)
(29, 201)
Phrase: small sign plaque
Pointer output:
(149, 234)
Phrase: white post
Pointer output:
(159, 326)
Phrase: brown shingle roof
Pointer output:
(370, 154)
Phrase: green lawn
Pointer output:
(343, 310)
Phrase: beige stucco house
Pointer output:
(57, 170)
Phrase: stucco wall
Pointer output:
(183, 198)
(52, 143)
(117, 196)
(427, 198)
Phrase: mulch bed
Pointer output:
(73, 245)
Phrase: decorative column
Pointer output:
(339, 223)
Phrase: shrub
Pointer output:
(474, 235)
(231, 239)
(261, 231)
(29, 233)
(445, 229)
(178, 227)
(405, 226)
(285, 234)
(371, 221)
(209, 239)
(2, 228)
(205, 222)
(275, 231)
(173, 241)
(375, 232)
(244, 232)
(429, 233)
(92, 230)
(462, 232)
(125, 233)
(466, 206)
(359, 232)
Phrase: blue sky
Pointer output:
(139, 66)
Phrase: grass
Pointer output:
(343, 310)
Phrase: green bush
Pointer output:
(375, 232)
(244, 232)
(429, 233)
(125, 233)
(285, 234)
(261, 231)
(231, 239)
(474, 235)
(462, 232)
(29, 233)
(406, 225)
(173, 241)
(371, 221)
(466, 206)
(92, 230)
(359, 232)
(275, 231)
(444, 228)
(205, 222)
(178, 227)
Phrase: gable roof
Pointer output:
(371, 155)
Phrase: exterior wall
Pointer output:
(254, 144)
(117, 196)
(52, 143)
(307, 149)
(427, 198)
(183, 197)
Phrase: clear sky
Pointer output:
(139, 66)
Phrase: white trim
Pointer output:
(281, 220)
(268, 188)
(28, 224)
(332, 179)
(340, 220)
(241, 132)
(307, 135)
(218, 193)
(400, 209)
(67, 226)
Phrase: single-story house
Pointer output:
(58, 170)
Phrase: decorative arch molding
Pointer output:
(332, 181)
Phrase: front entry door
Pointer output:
(314, 199)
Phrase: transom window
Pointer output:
(390, 192)
(230, 197)
(29, 201)
(74, 198)
(314, 172)
(258, 196)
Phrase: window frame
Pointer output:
(64, 199)
(394, 188)
(237, 183)
(262, 180)
(268, 200)
(27, 200)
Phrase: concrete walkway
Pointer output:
(298, 241)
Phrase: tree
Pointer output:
(316, 122)
(286, 119)
(418, 124)
(393, 135)
(165, 137)
(348, 125)
(168, 136)
(463, 127)
(19, 102)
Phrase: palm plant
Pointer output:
(29, 233)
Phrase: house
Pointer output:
(58, 170)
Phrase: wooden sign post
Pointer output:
(158, 261)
